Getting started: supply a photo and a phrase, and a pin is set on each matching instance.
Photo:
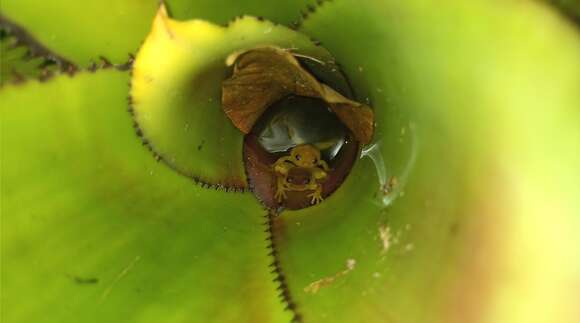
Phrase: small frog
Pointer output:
(305, 157)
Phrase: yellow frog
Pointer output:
(306, 157)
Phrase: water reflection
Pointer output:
(391, 183)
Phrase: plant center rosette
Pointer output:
(252, 105)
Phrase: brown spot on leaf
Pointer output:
(84, 280)
(315, 286)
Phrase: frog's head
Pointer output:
(305, 156)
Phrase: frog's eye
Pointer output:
(297, 157)
(315, 161)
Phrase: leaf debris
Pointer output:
(314, 287)
(385, 235)
(390, 186)
(263, 76)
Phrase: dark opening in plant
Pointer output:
(281, 153)
(303, 132)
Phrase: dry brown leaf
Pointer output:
(265, 75)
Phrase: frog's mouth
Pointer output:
(298, 176)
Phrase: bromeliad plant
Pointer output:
(463, 205)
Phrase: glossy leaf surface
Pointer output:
(177, 100)
(95, 230)
(115, 28)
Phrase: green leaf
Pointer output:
(95, 230)
(81, 31)
(116, 28)
(477, 118)
(284, 12)
(177, 100)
